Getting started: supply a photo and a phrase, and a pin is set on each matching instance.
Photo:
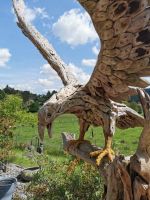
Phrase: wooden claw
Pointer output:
(95, 153)
(100, 154)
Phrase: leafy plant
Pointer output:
(135, 106)
(9, 108)
(54, 182)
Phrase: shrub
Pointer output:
(135, 106)
(34, 107)
(53, 182)
(6, 135)
(9, 108)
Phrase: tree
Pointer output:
(9, 90)
(28, 97)
(135, 106)
(34, 107)
(2, 94)
(10, 108)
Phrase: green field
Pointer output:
(124, 141)
(54, 177)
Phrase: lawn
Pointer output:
(124, 141)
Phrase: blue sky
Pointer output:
(66, 26)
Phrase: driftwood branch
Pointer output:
(42, 44)
(82, 152)
(126, 178)
(107, 170)
(118, 176)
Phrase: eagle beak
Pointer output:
(49, 129)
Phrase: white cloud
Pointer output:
(89, 62)
(31, 14)
(23, 86)
(45, 82)
(95, 49)
(46, 69)
(79, 74)
(42, 12)
(4, 57)
(49, 79)
(75, 28)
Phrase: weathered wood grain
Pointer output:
(123, 28)
(126, 178)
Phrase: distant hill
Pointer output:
(31, 101)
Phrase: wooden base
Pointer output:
(121, 181)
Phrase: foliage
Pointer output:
(6, 143)
(2, 94)
(33, 107)
(54, 182)
(9, 108)
(27, 119)
(135, 106)
(12, 115)
(31, 101)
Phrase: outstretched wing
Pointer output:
(124, 30)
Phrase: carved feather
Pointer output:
(124, 30)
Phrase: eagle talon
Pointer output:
(100, 154)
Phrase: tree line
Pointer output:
(31, 101)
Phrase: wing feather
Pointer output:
(124, 30)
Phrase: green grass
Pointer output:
(84, 181)
(124, 141)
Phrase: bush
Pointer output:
(135, 106)
(9, 108)
(6, 135)
(28, 119)
(34, 107)
(2, 94)
(53, 182)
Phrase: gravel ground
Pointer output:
(13, 171)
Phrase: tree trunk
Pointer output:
(126, 178)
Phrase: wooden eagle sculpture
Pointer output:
(123, 27)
